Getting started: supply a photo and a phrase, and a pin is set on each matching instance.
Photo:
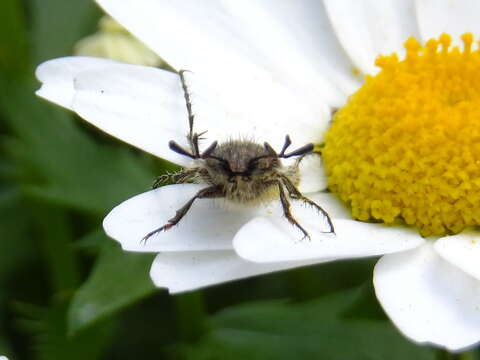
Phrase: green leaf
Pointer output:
(118, 280)
(92, 242)
(58, 24)
(13, 39)
(54, 233)
(15, 242)
(5, 348)
(282, 330)
(16, 251)
(51, 342)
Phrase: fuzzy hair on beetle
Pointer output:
(240, 171)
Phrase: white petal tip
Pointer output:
(428, 299)
(352, 239)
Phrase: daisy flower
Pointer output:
(401, 151)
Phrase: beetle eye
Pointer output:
(225, 166)
(253, 164)
(221, 163)
(260, 164)
(263, 164)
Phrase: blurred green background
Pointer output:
(68, 292)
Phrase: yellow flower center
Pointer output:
(407, 144)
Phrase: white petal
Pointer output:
(273, 238)
(207, 226)
(57, 77)
(218, 39)
(454, 17)
(257, 109)
(205, 35)
(299, 32)
(329, 202)
(370, 28)
(187, 271)
(312, 175)
(462, 250)
(145, 107)
(428, 299)
(140, 105)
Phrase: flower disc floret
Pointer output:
(407, 144)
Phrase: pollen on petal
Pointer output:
(407, 144)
